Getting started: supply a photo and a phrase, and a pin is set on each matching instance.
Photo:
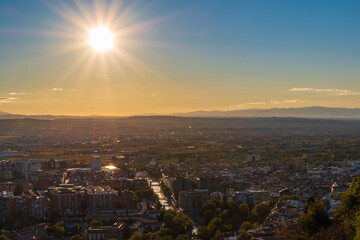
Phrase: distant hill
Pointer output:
(305, 112)
(167, 123)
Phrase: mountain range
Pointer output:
(304, 112)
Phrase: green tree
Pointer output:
(136, 236)
(233, 208)
(244, 211)
(288, 197)
(244, 235)
(215, 225)
(218, 235)
(95, 223)
(76, 229)
(208, 215)
(260, 212)
(59, 229)
(203, 233)
(182, 237)
(314, 218)
(76, 237)
(3, 237)
(246, 226)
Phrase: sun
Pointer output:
(101, 39)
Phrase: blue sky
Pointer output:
(185, 56)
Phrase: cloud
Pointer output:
(256, 103)
(6, 99)
(348, 93)
(336, 91)
(294, 101)
(301, 89)
(20, 93)
(57, 89)
(272, 102)
(332, 90)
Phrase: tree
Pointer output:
(178, 223)
(59, 229)
(215, 225)
(246, 226)
(76, 237)
(244, 235)
(3, 237)
(314, 218)
(182, 237)
(157, 206)
(136, 236)
(203, 233)
(233, 208)
(260, 212)
(76, 229)
(244, 211)
(288, 197)
(218, 235)
(95, 223)
(207, 216)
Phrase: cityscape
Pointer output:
(179, 120)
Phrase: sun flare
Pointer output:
(101, 39)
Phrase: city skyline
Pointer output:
(178, 56)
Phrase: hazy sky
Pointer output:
(178, 56)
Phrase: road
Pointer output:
(163, 200)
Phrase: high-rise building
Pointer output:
(65, 199)
(96, 163)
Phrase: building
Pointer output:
(253, 157)
(339, 188)
(210, 183)
(100, 201)
(192, 202)
(65, 199)
(5, 205)
(127, 200)
(36, 203)
(256, 196)
(179, 184)
(239, 197)
(10, 154)
(26, 165)
(96, 163)
(116, 231)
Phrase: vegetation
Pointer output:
(288, 197)
(76, 237)
(222, 218)
(165, 189)
(94, 223)
(315, 223)
(58, 229)
(176, 226)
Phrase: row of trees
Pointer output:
(165, 189)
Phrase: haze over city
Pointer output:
(169, 57)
